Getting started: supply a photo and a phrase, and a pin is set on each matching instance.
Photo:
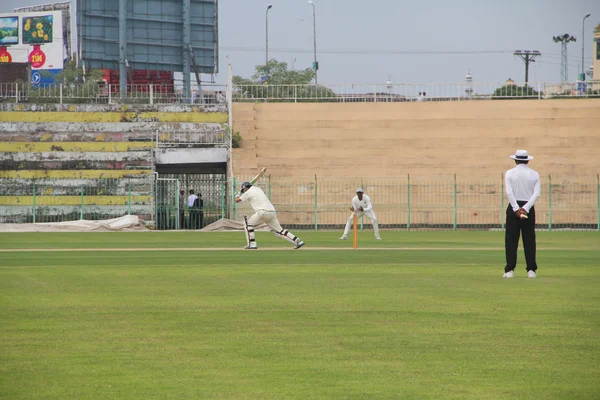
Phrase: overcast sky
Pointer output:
(426, 41)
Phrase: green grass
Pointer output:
(436, 321)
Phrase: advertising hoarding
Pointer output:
(9, 30)
(37, 29)
(155, 31)
(35, 38)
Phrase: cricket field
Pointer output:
(190, 315)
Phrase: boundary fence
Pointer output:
(102, 93)
(427, 202)
(409, 92)
(319, 203)
(214, 94)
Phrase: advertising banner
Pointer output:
(36, 38)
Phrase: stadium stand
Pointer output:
(430, 138)
(99, 155)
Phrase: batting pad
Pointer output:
(286, 235)
(250, 240)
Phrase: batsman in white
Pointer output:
(361, 205)
(264, 213)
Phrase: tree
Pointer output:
(513, 91)
(71, 75)
(277, 74)
(77, 86)
(280, 84)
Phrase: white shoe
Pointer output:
(509, 274)
(343, 238)
(251, 247)
(531, 274)
(377, 238)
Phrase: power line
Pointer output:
(367, 51)
(528, 56)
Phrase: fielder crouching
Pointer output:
(264, 213)
(361, 205)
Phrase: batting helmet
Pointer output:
(246, 185)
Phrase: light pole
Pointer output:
(315, 63)
(583, 47)
(267, 38)
(564, 64)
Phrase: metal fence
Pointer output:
(217, 137)
(23, 201)
(98, 92)
(172, 208)
(318, 203)
(426, 202)
(409, 92)
(213, 94)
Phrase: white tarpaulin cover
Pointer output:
(126, 223)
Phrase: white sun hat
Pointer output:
(521, 155)
(359, 190)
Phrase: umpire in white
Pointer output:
(522, 189)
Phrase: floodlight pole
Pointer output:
(528, 56)
(564, 64)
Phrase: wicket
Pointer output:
(355, 244)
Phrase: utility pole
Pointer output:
(528, 56)
(267, 38)
(582, 77)
(315, 62)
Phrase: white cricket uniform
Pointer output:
(264, 212)
(368, 212)
(522, 184)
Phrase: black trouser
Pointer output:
(193, 219)
(181, 218)
(514, 227)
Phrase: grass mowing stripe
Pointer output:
(191, 239)
(216, 259)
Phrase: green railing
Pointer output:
(172, 211)
(57, 200)
(412, 202)
(425, 202)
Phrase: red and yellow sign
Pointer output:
(5, 56)
(37, 57)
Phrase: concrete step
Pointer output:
(105, 127)
(112, 117)
(514, 109)
(75, 174)
(86, 147)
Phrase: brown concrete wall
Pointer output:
(430, 138)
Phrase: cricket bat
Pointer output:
(255, 179)
(260, 175)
